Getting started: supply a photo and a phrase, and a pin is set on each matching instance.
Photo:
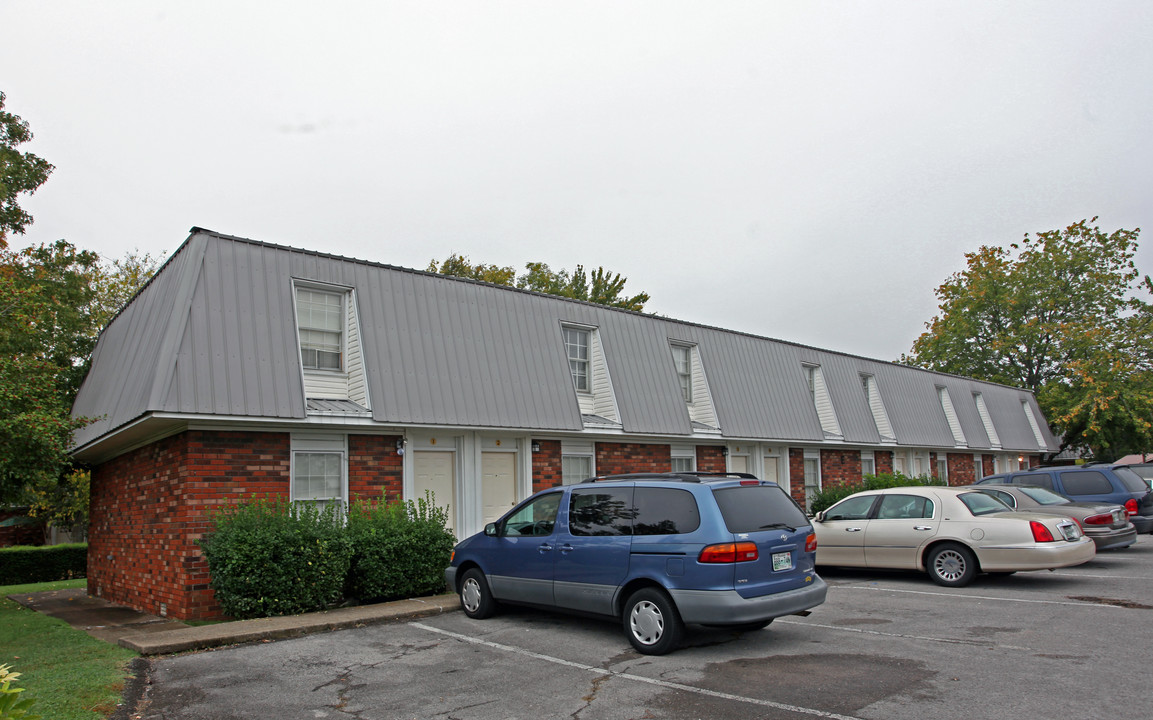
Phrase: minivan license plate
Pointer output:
(782, 561)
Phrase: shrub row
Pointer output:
(22, 564)
(827, 497)
(272, 557)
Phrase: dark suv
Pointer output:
(657, 550)
(1116, 484)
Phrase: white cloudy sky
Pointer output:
(809, 171)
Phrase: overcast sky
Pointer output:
(808, 171)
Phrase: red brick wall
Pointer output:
(375, 471)
(616, 458)
(839, 467)
(546, 465)
(883, 459)
(797, 474)
(710, 458)
(988, 466)
(149, 506)
(961, 469)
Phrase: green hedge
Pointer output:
(272, 557)
(20, 565)
(827, 497)
(399, 549)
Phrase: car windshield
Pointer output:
(1045, 497)
(980, 503)
(748, 508)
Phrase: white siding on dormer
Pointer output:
(357, 387)
(824, 403)
(951, 416)
(701, 409)
(1034, 426)
(604, 401)
(877, 408)
(987, 421)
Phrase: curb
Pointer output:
(277, 628)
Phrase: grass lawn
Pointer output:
(70, 675)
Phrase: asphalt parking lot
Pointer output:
(1073, 643)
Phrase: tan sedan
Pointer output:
(951, 533)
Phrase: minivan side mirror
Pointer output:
(490, 530)
(820, 517)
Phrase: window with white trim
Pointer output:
(319, 469)
(576, 344)
(577, 462)
(943, 469)
(320, 322)
(868, 463)
(812, 476)
(683, 361)
(683, 457)
(822, 402)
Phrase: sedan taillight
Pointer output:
(1040, 532)
(729, 553)
(1102, 519)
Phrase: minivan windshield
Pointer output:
(749, 508)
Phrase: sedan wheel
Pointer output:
(651, 622)
(952, 565)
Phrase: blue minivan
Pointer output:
(656, 550)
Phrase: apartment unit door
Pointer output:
(498, 484)
(435, 471)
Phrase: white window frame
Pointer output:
(685, 455)
(868, 456)
(327, 445)
(341, 297)
(683, 363)
(575, 361)
(943, 468)
(812, 485)
(583, 451)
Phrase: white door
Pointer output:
(739, 463)
(771, 470)
(435, 472)
(498, 484)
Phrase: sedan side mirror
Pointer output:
(490, 530)
(820, 517)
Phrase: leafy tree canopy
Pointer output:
(1065, 314)
(54, 300)
(19, 173)
(601, 286)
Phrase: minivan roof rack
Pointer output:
(694, 476)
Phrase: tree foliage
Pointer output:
(1064, 314)
(54, 300)
(19, 173)
(602, 287)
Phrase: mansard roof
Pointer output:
(213, 337)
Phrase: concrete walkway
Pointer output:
(152, 635)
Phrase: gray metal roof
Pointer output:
(214, 334)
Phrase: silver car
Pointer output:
(1105, 523)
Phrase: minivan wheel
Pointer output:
(652, 622)
(475, 598)
(951, 565)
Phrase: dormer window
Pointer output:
(822, 403)
(320, 318)
(683, 361)
(576, 343)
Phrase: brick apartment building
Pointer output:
(245, 368)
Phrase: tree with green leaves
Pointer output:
(1065, 314)
(54, 300)
(601, 286)
(19, 173)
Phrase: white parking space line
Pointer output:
(636, 678)
(1107, 577)
(975, 597)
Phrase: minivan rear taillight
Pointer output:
(811, 543)
(729, 553)
(1131, 506)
